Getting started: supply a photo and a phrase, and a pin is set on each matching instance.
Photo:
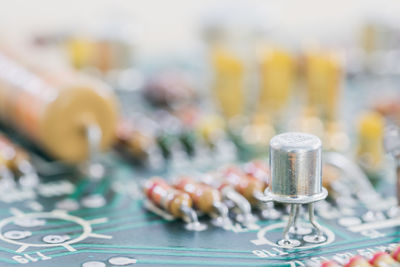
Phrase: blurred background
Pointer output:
(214, 74)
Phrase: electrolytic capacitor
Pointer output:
(358, 261)
(296, 178)
(56, 107)
(205, 198)
(382, 259)
(176, 202)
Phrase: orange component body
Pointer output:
(165, 196)
(330, 264)
(382, 259)
(246, 185)
(203, 195)
(358, 261)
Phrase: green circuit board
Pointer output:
(72, 221)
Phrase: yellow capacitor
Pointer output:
(80, 52)
(229, 82)
(323, 72)
(277, 76)
(54, 108)
(370, 138)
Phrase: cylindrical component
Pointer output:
(358, 261)
(54, 109)
(382, 259)
(259, 170)
(204, 196)
(229, 82)
(296, 168)
(323, 77)
(370, 138)
(277, 76)
(330, 264)
(11, 154)
(246, 185)
(396, 254)
(166, 197)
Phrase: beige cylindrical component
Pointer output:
(246, 185)
(54, 108)
(203, 196)
(165, 196)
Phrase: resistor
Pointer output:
(396, 254)
(358, 261)
(330, 264)
(242, 205)
(383, 259)
(205, 198)
(247, 185)
(18, 161)
(177, 203)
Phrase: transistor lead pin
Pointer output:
(205, 198)
(175, 202)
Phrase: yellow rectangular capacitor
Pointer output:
(228, 82)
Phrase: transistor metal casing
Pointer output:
(296, 169)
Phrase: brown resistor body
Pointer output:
(204, 196)
(167, 197)
(247, 185)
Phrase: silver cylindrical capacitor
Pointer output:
(296, 168)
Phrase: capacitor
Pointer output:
(383, 259)
(229, 82)
(358, 261)
(205, 198)
(277, 69)
(56, 108)
(323, 73)
(296, 178)
(176, 202)
(370, 139)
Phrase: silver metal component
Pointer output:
(221, 214)
(94, 169)
(296, 178)
(296, 169)
(191, 219)
(241, 204)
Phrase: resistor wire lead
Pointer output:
(177, 203)
(205, 198)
